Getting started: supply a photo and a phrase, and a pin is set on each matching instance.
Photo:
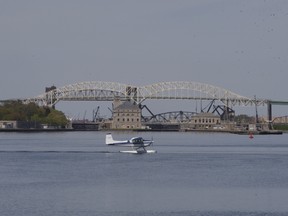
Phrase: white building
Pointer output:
(8, 124)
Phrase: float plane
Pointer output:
(138, 144)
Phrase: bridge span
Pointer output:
(184, 90)
(108, 91)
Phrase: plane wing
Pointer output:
(110, 141)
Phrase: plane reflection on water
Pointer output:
(138, 144)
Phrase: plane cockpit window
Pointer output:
(138, 140)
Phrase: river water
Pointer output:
(74, 173)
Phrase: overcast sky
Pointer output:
(240, 45)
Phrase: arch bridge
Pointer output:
(108, 91)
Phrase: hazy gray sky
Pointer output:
(240, 45)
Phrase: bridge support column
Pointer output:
(52, 99)
(269, 109)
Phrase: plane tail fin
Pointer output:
(109, 139)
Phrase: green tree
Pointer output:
(57, 118)
(16, 110)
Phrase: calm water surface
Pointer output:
(74, 173)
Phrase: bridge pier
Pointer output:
(269, 109)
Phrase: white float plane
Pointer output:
(138, 144)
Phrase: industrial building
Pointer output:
(126, 115)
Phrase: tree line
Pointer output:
(17, 111)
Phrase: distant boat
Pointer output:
(85, 125)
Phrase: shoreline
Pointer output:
(37, 130)
(268, 132)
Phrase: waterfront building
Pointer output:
(8, 124)
(126, 115)
(203, 121)
(11, 124)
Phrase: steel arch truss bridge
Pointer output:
(108, 91)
